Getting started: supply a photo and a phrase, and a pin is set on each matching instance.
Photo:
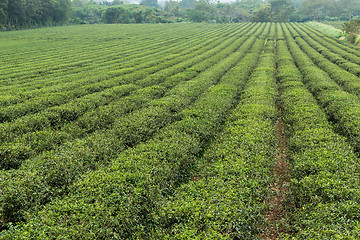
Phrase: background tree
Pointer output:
(3, 13)
(281, 10)
(79, 3)
(88, 13)
(139, 16)
(25, 13)
(250, 4)
(347, 4)
(16, 12)
(230, 13)
(203, 11)
(296, 3)
(262, 15)
(311, 8)
(187, 3)
(350, 7)
(172, 7)
(323, 9)
(330, 8)
(150, 3)
(149, 15)
(116, 2)
(352, 29)
(117, 14)
(62, 11)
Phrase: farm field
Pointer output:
(179, 131)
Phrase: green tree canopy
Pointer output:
(262, 15)
(117, 14)
(149, 3)
(3, 12)
(187, 3)
(20, 13)
(281, 10)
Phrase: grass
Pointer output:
(328, 29)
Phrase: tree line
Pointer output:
(27, 13)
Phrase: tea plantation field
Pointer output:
(174, 132)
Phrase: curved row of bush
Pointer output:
(40, 103)
(39, 141)
(86, 78)
(69, 163)
(318, 44)
(226, 195)
(79, 76)
(75, 78)
(341, 107)
(24, 138)
(351, 49)
(126, 195)
(324, 188)
(77, 52)
(352, 57)
(346, 80)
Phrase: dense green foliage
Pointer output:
(17, 14)
(26, 13)
(249, 10)
(325, 175)
(115, 132)
(352, 29)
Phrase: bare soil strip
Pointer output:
(281, 173)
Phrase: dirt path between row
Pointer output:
(276, 214)
(281, 173)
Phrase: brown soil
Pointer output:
(281, 172)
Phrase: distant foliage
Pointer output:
(328, 10)
(135, 14)
(149, 3)
(262, 15)
(187, 3)
(87, 13)
(117, 14)
(275, 11)
(16, 14)
(352, 29)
